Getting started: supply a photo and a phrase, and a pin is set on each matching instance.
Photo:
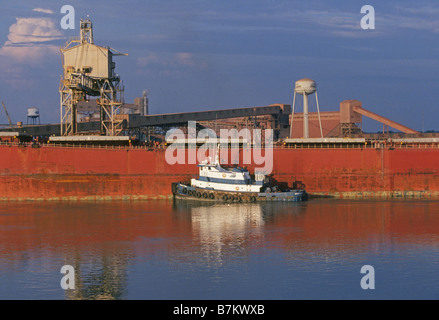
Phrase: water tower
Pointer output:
(305, 87)
(33, 114)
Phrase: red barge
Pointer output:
(128, 173)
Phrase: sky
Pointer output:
(216, 54)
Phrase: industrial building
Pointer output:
(92, 103)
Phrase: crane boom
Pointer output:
(7, 114)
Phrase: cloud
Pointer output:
(336, 22)
(29, 30)
(29, 54)
(339, 23)
(425, 10)
(189, 60)
(152, 58)
(48, 11)
(346, 24)
(179, 59)
(30, 39)
(419, 18)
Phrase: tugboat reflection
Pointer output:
(225, 232)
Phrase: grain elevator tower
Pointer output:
(88, 71)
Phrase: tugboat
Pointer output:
(216, 183)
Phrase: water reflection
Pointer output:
(224, 230)
(97, 239)
(100, 277)
(169, 241)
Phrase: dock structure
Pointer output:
(275, 117)
(345, 123)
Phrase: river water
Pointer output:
(165, 250)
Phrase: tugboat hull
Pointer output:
(187, 192)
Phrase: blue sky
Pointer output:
(210, 54)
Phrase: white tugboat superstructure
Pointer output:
(214, 177)
(216, 183)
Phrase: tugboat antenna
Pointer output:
(217, 155)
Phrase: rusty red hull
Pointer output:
(56, 173)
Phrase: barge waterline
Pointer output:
(90, 198)
(372, 195)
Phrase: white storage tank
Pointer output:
(33, 112)
(305, 86)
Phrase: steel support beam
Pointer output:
(384, 120)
